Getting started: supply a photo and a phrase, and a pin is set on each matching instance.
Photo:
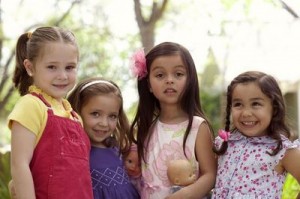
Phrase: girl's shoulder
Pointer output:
(288, 144)
(238, 136)
(29, 104)
(197, 120)
(30, 112)
(30, 100)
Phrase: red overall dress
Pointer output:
(60, 162)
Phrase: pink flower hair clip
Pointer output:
(224, 134)
(138, 64)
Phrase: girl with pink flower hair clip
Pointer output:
(256, 151)
(138, 64)
(169, 123)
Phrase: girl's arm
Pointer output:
(11, 190)
(22, 146)
(207, 167)
(291, 163)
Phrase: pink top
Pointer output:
(165, 145)
(247, 171)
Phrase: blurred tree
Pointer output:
(211, 72)
(289, 9)
(147, 24)
(6, 87)
(102, 53)
(210, 91)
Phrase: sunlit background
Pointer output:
(225, 38)
(260, 35)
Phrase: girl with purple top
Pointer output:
(100, 104)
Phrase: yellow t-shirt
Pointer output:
(31, 112)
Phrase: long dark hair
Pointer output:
(148, 106)
(270, 88)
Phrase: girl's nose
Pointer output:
(170, 79)
(246, 113)
(62, 74)
(103, 121)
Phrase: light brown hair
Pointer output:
(30, 46)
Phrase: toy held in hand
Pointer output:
(132, 163)
(180, 173)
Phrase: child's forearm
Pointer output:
(23, 183)
(201, 187)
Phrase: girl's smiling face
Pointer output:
(100, 117)
(251, 109)
(55, 70)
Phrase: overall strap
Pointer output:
(41, 98)
(50, 111)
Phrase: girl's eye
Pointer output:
(113, 117)
(256, 104)
(70, 67)
(51, 67)
(179, 74)
(159, 75)
(236, 104)
(95, 114)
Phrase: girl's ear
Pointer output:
(28, 67)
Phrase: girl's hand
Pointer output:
(180, 194)
(12, 190)
(176, 195)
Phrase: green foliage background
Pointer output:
(104, 54)
(4, 174)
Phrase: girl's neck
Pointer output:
(98, 145)
(36, 89)
(172, 115)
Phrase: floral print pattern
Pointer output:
(165, 145)
(246, 170)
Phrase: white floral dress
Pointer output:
(246, 171)
(165, 145)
